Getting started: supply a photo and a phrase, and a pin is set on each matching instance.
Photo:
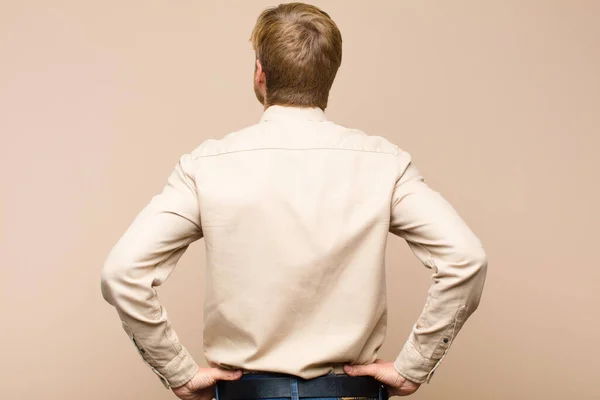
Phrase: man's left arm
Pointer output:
(142, 259)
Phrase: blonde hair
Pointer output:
(300, 50)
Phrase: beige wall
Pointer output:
(498, 101)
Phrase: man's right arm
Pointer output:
(443, 242)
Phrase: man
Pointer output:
(295, 211)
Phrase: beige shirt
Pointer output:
(295, 213)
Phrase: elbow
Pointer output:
(479, 260)
(110, 278)
(466, 270)
(477, 273)
(471, 258)
(107, 279)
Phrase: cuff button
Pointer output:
(445, 340)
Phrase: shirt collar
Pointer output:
(278, 113)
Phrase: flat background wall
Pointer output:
(497, 101)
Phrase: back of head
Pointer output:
(300, 50)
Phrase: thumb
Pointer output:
(219, 374)
(361, 370)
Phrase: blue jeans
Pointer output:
(382, 391)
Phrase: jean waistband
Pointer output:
(337, 369)
(262, 375)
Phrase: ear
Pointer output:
(258, 66)
(259, 75)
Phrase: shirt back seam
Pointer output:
(195, 157)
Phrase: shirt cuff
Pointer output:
(178, 371)
(413, 366)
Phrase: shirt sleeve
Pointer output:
(142, 259)
(443, 242)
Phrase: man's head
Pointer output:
(298, 52)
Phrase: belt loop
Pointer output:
(294, 388)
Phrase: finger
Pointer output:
(201, 381)
(383, 372)
(361, 370)
(219, 374)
